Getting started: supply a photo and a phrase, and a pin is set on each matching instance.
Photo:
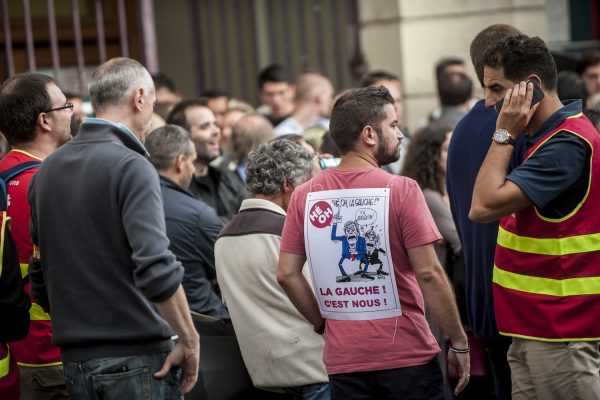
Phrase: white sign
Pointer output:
(346, 235)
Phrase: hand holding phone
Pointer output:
(538, 95)
(523, 100)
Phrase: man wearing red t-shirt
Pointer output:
(35, 118)
(387, 351)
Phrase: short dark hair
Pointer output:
(355, 110)
(166, 143)
(570, 85)
(520, 56)
(22, 98)
(440, 66)
(274, 73)
(589, 58)
(484, 39)
(454, 88)
(380, 75)
(161, 80)
(177, 114)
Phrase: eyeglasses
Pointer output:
(67, 105)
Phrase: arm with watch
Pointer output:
(494, 196)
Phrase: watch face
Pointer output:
(501, 136)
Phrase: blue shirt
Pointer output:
(469, 145)
(555, 177)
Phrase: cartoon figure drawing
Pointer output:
(373, 251)
(354, 247)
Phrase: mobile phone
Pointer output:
(538, 95)
(329, 162)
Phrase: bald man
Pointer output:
(313, 103)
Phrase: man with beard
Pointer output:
(372, 355)
(35, 117)
(218, 188)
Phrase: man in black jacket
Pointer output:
(192, 226)
(219, 188)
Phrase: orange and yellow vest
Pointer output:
(546, 278)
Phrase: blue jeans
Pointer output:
(317, 391)
(121, 378)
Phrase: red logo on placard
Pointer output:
(321, 214)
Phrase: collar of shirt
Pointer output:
(249, 204)
(121, 127)
(166, 182)
(571, 107)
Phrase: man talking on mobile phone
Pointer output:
(547, 256)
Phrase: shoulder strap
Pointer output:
(9, 174)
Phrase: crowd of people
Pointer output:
(350, 259)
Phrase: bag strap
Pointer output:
(9, 174)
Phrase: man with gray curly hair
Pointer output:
(278, 345)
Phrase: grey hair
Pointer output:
(112, 80)
(166, 143)
(273, 163)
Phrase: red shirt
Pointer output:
(354, 346)
(36, 349)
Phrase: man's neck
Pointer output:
(305, 115)
(117, 117)
(171, 176)
(357, 160)
(276, 199)
(39, 150)
(201, 169)
(544, 111)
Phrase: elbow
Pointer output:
(430, 275)
(481, 214)
(282, 277)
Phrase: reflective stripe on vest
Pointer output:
(4, 365)
(550, 287)
(551, 247)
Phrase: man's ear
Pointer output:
(286, 186)
(43, 123)
(139, 98)
(536, 79)
(368, 135)
(178, 163)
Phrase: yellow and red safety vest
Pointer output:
(36, 350)
(546, 278)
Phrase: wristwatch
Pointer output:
(501, 136)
